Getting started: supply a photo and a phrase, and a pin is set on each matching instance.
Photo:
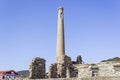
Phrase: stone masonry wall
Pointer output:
(52, 71)
(99, 69)
(62, 70)
(70, 69)
(94, 78)
(37, 68)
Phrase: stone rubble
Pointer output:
(62, 70)
(37, 68)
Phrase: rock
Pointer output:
(62, 70)
(52, 71)
(37, 68)
(79, 60)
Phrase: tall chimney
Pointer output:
(60, 50)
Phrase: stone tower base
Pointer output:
(62, 70)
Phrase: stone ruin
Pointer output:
(78, 60)
(64, 67)
(37, 68)
(62, 70)
(57, 70)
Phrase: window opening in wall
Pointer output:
(76, 73)
(94, 73)
(116, 67)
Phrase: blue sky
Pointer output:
(28, 29)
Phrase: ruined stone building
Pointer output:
(102, 69)
(37, 68)
(64, 67)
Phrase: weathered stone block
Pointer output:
(37, 68)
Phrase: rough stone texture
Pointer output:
(68, 70)
(62, 70)
(71, 70)
(99, 69)
(52, 71)
(78, 60)
(37, 68)
(93, 78)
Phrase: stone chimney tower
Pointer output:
(60, 50)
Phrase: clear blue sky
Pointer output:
(28, 29)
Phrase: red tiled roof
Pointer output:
(7, 71)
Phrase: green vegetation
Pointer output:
(95, 68)
(117, 59)
(23, 73)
